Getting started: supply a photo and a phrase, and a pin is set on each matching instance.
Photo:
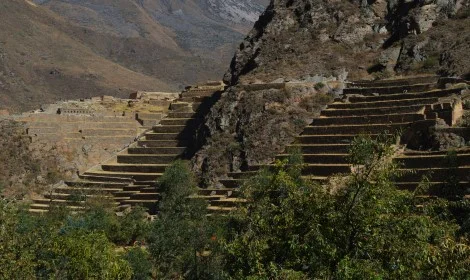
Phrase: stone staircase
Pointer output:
(406, 105)
(372, 108)
(129, 178)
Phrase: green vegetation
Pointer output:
(362, 227)
(355, 227)
(319, 86)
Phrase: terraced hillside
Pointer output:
(128, 179)
(412, 106)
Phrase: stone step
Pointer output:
(387, 103)
(322, 158)
(151, 205)
(169, 129)
(435, 187)
(47, 207)
(354, 129)
(162, 136)
(79, 197)
(220, 210)
(328, 139)
(461, 151)
(438, 174)
(146, 196)
(320, 149)
(181, 115)
(179, 121)
(109, 132)
(135, 188)
(97, 185)
(425, 94)
(317, 170)
(192, 99)
(198, 93)
(104, 178)
(148, 123)
(150, 116)
(42, 130)
(69, 204)
(227, 202)
(371, 119)
(138, 176)
(148, 190)
(208, 198)
(390, 89)
(135, 168)
(156, 150)
(422, 161)
(72, 190)
(151, 143)
(372, 111)
(145, 183)
(242, 175)
(222, 192)
(395, 82)
(232, 183)
(180, 106)
(147, 159)
(126, 194)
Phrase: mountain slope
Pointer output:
(41, 61)
(192, 39)
(61, 49)
(367, 39)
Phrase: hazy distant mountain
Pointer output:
(69, 48)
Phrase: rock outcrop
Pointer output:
(250, 124)
(382, 37)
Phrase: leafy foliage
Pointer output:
(41, 247)
(360, 228)
(181, 235)
(139, 259)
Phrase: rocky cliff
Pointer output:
(376, 37)
(305, 42)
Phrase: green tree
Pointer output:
(355, 227)
(181, 235)
(139, 259)
(84, 255)
(45, 247)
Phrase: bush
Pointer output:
(360, 227)
(125, 230)
(139, 260)
(181, 235)
(319, 86)
(40, 247)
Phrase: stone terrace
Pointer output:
(128, 179)
(410, 106)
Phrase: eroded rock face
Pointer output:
(294, 38)
(249, 125)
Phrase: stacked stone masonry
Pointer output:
(374, 107)
(128, 179)
(367, 107)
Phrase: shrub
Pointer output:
(139, 260)
(181, 234)
(319, 86)
(362, 227)
(39, 247)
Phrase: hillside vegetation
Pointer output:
(357, 227)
